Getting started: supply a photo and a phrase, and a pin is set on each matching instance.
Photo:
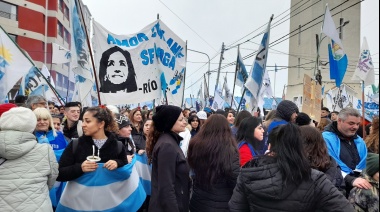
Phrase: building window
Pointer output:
(60, 29)
(60, 5)
(67, 36)
(13, 37)
(67, 12)
(8, 11)
(59, 79)
(72, 85)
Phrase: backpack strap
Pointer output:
(119, 147)
(249, 145)
(74, 141)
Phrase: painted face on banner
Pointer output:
(117, 68)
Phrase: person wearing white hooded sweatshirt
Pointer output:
(28, 170)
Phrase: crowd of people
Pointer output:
(200, 160)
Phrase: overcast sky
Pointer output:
(206, 24)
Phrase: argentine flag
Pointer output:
(104, 190)
(145, 172)
(255, 81)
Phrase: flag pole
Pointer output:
(236, 69)
(220, 65)
(363, 112)
(242, 96)
(90, 50)
(184, 76)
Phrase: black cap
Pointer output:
(73, 104)
(122, 121)
(165, 117)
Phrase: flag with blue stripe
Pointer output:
(104, 190)
(145, 172)
(255, 81)
(338, 63)
(241, 72)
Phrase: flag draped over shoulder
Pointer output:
(255, 79)
(80, 65)
(141, 66)
(104, 190)
(13, 64)
(337, 58)
(364, 69)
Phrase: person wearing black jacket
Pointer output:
(214, 157)
(98, 128)
(282, 180)
(170, 171)
(125, 129)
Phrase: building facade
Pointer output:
(34, 25)
(303, 45)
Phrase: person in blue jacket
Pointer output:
(46, 133)
(347, 148)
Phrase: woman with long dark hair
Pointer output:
(170, 172)
(195, 125)
(282, 180)
(318, 156)
(214, 158)
(239, 118)
(250, 137)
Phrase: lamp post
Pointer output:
(208, 72)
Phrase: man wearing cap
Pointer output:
(72, 126)
(125, 129)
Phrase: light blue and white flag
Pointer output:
(104, 190)
(241, 72)
(255, 79)
(145, 172)
(13, 64)
(337, 58)
(80, 56)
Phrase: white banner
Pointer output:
(60, 54)
(139, 67)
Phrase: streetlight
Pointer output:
(208, 72)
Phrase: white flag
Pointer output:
(364, 70)
(60, 54)
(218, 102)
(13, 64)
(329, 29)
(227, 92)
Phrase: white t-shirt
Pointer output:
(184, 145)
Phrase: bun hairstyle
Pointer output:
(102, 113)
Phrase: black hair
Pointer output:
(246, 131)
(105, 85)
(240, 116)
(326, 109)
(102, 113)
(286, 145)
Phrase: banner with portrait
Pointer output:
(139, 67)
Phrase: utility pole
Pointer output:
(220, 65)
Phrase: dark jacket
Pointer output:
(70, 132)
(217, 196)
(130, 147)
(260, 188)
(70, 162)
(170, 176)
(138, 139)
(334, 174)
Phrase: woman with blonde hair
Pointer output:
(372, 140)
(45, 132)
